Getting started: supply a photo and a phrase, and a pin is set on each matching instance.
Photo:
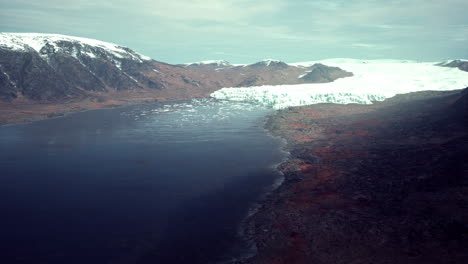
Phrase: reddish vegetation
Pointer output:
(14, 112)
(364, 185)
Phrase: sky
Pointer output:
(245, 31)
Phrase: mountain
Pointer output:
(267, 72)
(460, 64)
(55, 67)
(51, 68)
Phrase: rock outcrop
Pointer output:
(321, 74)
(460, 64)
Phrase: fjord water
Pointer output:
(154, 183)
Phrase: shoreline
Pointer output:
(251, 249)
(334, 205)
(29, 117)
(248, 231)
(13, 113)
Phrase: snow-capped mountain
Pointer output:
(58, 68)
(46, 44)
(51, 67)
(373, 80)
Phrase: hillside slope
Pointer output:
(382, 183)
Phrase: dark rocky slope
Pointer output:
(268, 72)
(320, 73)
(460, 64)
(383, 183)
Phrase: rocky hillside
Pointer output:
(382, 183)
(49, 68)
(460, 64)
(267, 72)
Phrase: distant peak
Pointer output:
(269, 62)
(210, 62)
(450, 62)
(461, 64)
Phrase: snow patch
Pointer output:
(303, 75)
(8, 77)
(117, 64)
(373, 80)
(86, 67)
(135, 80)
(131, 77)
(91, 55)
(143, 57)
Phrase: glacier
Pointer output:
(373, 80)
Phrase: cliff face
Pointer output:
(29, 75)
(49, 68)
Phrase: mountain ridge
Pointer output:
(44, 74)
(55, 68)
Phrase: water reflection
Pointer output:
(141, 184)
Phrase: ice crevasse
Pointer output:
(373, 80)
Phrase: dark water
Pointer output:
(143, 184)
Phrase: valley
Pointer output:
(47, 74)
(376, 171)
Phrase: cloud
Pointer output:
(212, 10)
(371, 46)
(184, 10)
(347, 27)
(61, 4)
(363, 45)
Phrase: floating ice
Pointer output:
(194, 111)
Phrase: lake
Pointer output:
(166, 182)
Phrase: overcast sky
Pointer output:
(244, 31)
